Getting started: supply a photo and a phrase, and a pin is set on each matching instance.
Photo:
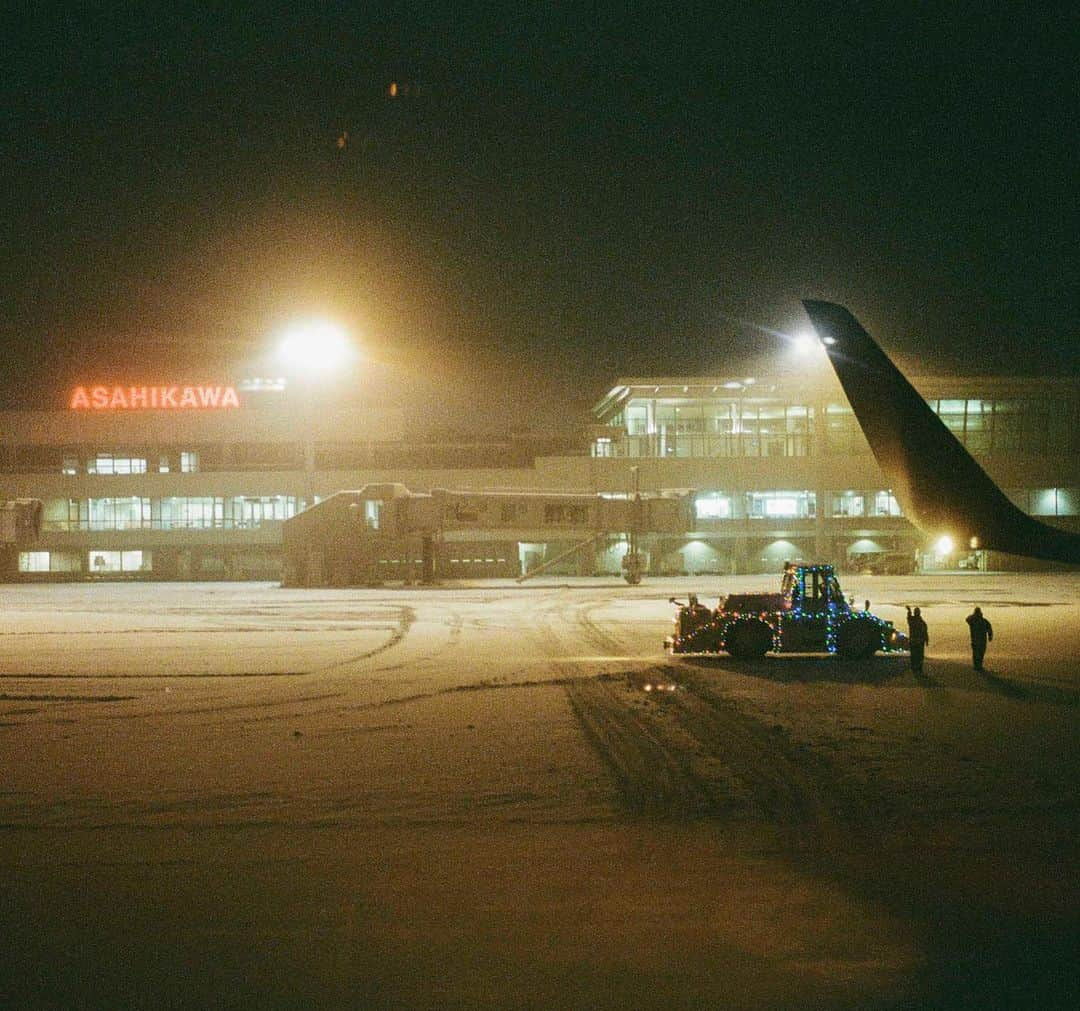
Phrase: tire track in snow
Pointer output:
(405, 618)
(692, 753)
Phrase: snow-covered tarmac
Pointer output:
(239, 795)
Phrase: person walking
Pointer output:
(918, 637)
(982, 632)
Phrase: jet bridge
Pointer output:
(352, 537)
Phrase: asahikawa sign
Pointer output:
(152, 398)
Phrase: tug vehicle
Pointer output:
(808, 615)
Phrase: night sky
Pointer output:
(550, 201)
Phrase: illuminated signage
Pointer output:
(152, 398)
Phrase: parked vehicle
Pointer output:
(808, 615)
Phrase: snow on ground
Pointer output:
(236, 794)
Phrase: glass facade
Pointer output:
(729, 425)
(1024, 426)
(710, 429)
(1046, 501)
(197, 512)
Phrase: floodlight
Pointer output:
(314, 345)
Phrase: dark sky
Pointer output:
(568, 198)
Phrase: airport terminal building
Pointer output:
(195, 482)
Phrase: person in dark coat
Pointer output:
(918, 637)
(982, 632)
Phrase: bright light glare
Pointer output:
(314, 345)
(944, 545)
(803, 343)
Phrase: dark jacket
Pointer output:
(917, 630)
(981, 629)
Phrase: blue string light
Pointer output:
(837, 616)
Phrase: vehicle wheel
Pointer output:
(750, 642)
(858, 640)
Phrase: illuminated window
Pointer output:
(952, 413)
(118, 513)
(781, 504)
(105, 562)
(637, 419)
(106, 463)
(1054, 501)
(250, 512)
(49, 561)
(842, 431)
(189, 462)
(70, 465)
(201, 512)
(712, 507)
(885, 504)
(33, 561)
(848, 503)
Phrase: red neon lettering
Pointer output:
(118, 398)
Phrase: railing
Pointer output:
(695, 446)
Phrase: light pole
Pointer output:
(312, 348)
(631, 562)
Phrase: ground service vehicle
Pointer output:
(808, 615)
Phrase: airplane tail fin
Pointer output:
(937, 482)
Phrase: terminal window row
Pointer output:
(109, 562)
(169, 513)
(167, 460)
(875, 503)
(281, 457)
(799, 504)
(709, 428)
(99, 562)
